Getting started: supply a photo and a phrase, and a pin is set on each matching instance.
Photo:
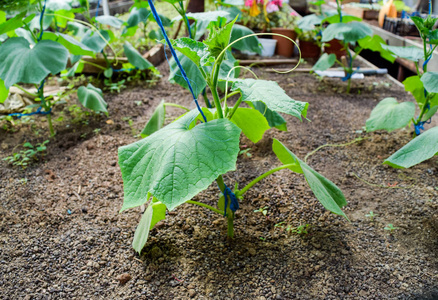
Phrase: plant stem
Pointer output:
(235, 107)
(230, 227)
(93, 64)
(230, 216)
(206, 206)
(230, 95)
(249, 185)
(176, 105)
(26, 91)
(213, 88)
(49, 120)
(348, 85)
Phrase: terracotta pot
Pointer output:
(309, 49)
(284, 46)
(335, 46)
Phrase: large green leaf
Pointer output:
(421, 148)
(196, 80)
(135, 58)
(330, 196)
(308, 22)
(414, 85)
(62, 17)
(137, 15)
(197, 52)
(411, 53)
(110, 20)
(219, 36)
(430, 81)
(13, 23)
(274, 118)
(374, 43)
(335, 18)
(156, 122)
(325, 62)
(96, 40)
(177, 162)
(155, 212)
(203, 20)
(270, 93)
(73, 46)
(390, 115)
(252, 123)
(4, 92)
(247, 44)
(347, 32)
(20, 63)
(92, 98)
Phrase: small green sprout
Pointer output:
(25, 157)
(390, 228)
(245, 152)
(371, 215)
(263, 210)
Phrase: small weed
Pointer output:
(131, 125)
(263, 210)
(97, 131)
(245, 152)
(78, 114)
(114, 86)
(25, 157)
(300, 230)
(370, 215)
(390, 228)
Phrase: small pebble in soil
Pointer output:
(124, 278)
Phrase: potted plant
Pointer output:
(309, 35)
(286, 25)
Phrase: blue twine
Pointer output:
(37, 112)
(183, 73)
(124, 70)
(41, 21)
(234, 205)
(97, 8)
(429, 58)
(168, 62)
(349, 75)
(419, 126)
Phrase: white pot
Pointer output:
(268, 46)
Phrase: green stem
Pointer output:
(49, 120)
(176, 105)
(235, 107)
(31, 32)
(217, 101)
(249, 185)
(206, 206)
(348, 85)
(230, 225)
(26, 91)
(230, 95)
(93, 64)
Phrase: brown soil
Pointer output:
(62, 237)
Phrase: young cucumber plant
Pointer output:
(175, 163)
(349, 30)
(390, 115)
(32, 58)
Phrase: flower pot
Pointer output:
(284, 46)
(309, 49)
(334, 46)
(268, 46)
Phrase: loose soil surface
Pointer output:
(62, 237)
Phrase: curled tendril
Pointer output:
(228, 77)
(93, 28)
(258, 34)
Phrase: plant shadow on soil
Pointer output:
(62, 237)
